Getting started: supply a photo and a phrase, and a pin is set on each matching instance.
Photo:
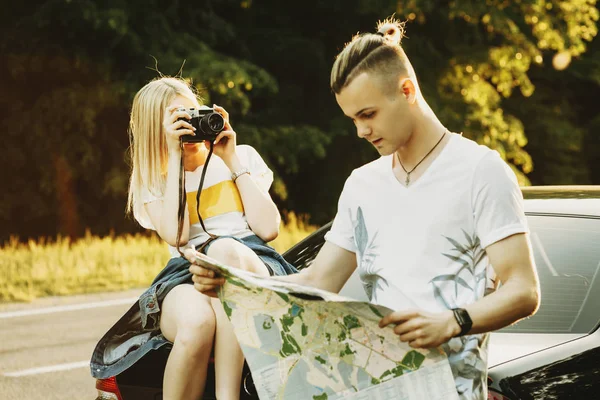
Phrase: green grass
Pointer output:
(95, 264)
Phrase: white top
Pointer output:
(422, 246)
(221, 205)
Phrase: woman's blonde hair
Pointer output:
(379, 53)
(147, 141)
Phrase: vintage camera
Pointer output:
(207, 122)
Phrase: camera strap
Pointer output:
(204, 169)
(182, 197)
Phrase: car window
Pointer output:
(567, 256)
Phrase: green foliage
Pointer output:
(44, 267)
(490, 47)
(91, 264)
(70, 69)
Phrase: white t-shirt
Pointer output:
(422, 246)
(221, 205)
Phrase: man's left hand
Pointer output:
(421, 329)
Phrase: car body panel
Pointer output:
(574, 377)
(563, 200)
(510, 378)
(504, 347)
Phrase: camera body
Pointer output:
(207, 122)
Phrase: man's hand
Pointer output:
(423, 330)
(205, 280)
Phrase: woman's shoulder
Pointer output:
(250, 157)
(247, 152)
(246, 148)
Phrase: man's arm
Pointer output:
(329, 271)
(518, 297)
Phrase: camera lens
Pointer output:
(215, 122)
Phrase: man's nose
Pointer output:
(363, 130)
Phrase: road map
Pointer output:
(304, 343)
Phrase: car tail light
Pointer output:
(108, 389)
(496, 396)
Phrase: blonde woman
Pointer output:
(236, 208)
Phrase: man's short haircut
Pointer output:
(378, 53)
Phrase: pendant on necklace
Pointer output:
(407, 179)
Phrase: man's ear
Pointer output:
(407, 88)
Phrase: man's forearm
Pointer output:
(513, 301)
(304, 277)
(329, 271)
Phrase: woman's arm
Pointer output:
(261, 212)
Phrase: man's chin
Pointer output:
(384, 151)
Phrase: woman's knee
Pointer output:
(234, 253)
(187, 316)
(197, 333)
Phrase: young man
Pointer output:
(433, 225)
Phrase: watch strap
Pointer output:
(464, 320)
(239, 173)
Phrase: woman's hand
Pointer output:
(225, 141)
(174, 127)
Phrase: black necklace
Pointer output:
(424, 157)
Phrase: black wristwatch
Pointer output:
(464, 320)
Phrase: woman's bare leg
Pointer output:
(229, 359)
(187, 320)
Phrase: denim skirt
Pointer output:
(138, 330)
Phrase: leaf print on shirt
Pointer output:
(366, 250)
(467, 365)
(470, 276)
(455, 290)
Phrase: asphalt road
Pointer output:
(45, 346)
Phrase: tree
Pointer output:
(69, 70)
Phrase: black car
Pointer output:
(554, 354)
(550, 355)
